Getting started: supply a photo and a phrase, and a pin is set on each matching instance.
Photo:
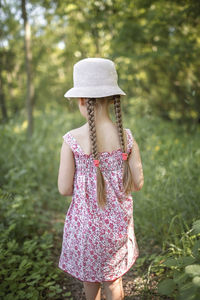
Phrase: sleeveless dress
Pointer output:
(98, 245)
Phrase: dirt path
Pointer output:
(135, 287)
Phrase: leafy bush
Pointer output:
(183, 268)
(29, 201)
(27, 269)
(170, 195)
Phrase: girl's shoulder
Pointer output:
(72, 138)
(75, 132)
(78, 132)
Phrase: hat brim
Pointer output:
(92, 92)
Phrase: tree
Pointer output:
(29, 71)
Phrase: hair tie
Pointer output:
(124, 156)
(96, 162)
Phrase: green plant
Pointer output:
(183, 269)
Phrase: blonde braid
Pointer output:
(101, 185)
(127, 176)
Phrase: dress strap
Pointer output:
(130, 139)
(71, 141)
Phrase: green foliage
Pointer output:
(182, 270)
(29, 202)
(166, 287)
(155, 46)
(196, 227)
(169, 197)
(27, 269)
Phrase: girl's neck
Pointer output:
(102, 116)
(101, 121)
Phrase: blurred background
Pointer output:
(156, 47)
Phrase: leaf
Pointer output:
(52, 294)
(193, 270)
(49, 283)
(23, 263)
(179, 261)
(166, 286)
(12, 226)
(196, 249)
(196, 281)
(67, 294)
(22, 285)
(196, 227)
(170, 262)
(179, 277)
(188, 291)
(14, 274)
(186, 260)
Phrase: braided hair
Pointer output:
(127, 177)
(101, 189)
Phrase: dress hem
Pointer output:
(135, 258)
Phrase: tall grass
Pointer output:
(169, 200)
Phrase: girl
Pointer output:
(100, 166)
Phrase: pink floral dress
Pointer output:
(98, 245)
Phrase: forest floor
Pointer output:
(135, 287)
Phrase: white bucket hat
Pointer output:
(94, 77)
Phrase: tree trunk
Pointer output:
(2, 101)
(29, 72)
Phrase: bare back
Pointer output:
(107, 138)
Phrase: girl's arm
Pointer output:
(66, 170)
(136, 167)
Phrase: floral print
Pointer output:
(98, 245)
